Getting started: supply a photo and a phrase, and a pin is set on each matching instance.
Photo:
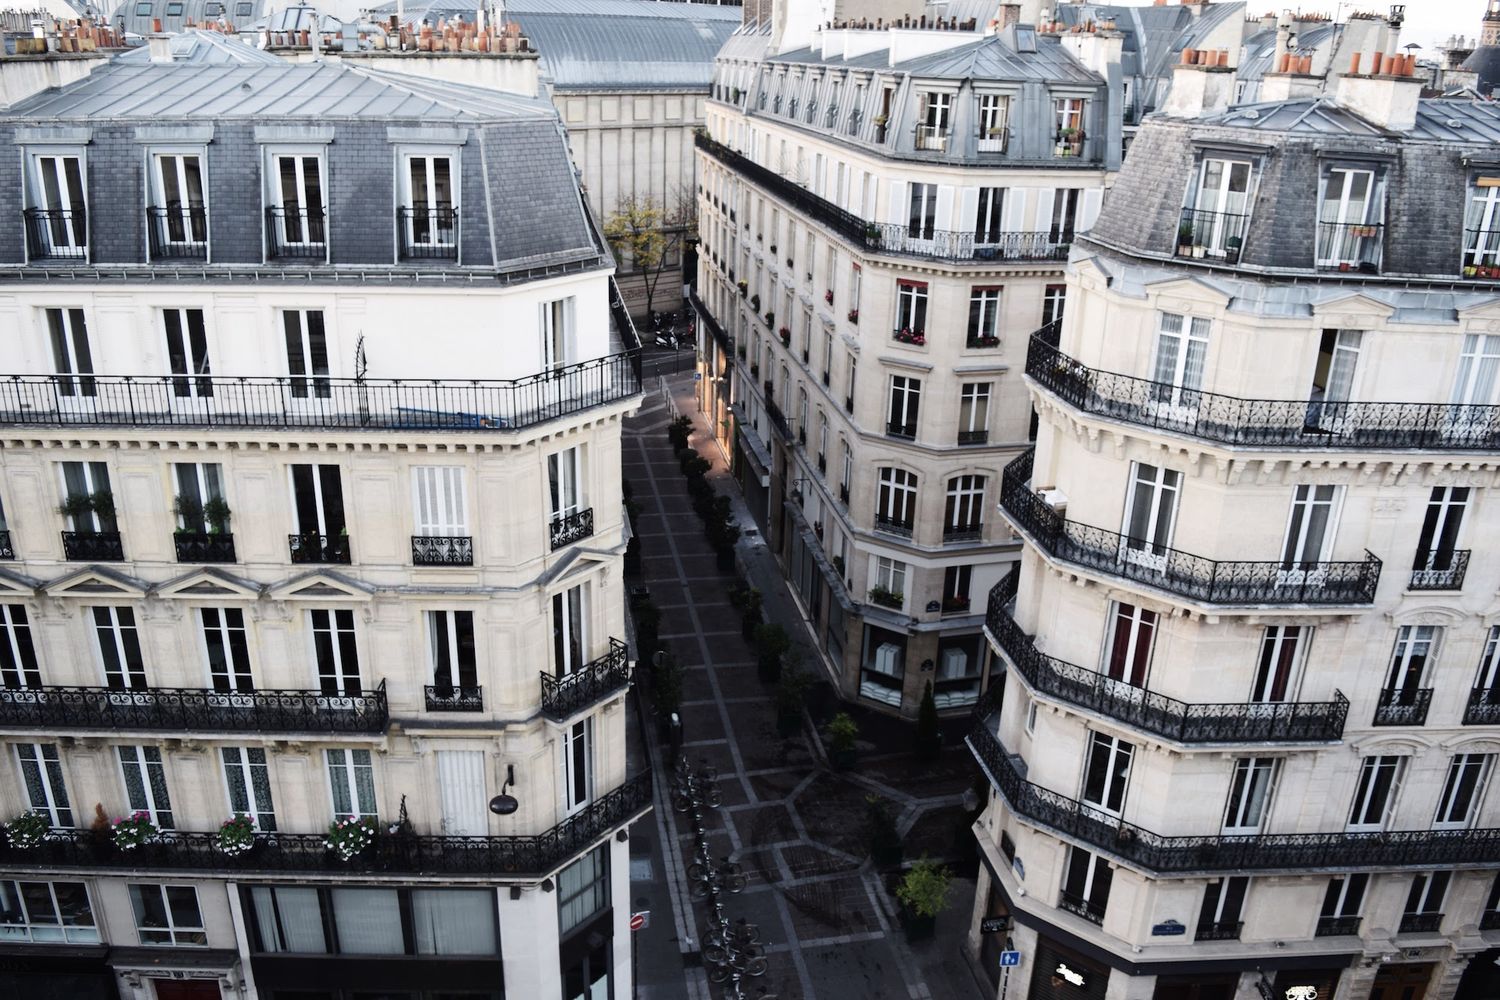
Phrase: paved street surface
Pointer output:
(796, 827)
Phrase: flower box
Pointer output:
(828, 296)
(350, 836)
(914, 337)
(886, 598)
(235, 836)
(786, 337)
(984, 342)
(135, 830)
(27, 830)
(854, 316)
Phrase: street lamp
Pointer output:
(503, 804)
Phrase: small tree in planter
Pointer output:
(880, 825)
(350, 836)
(791, 692)
(236, 835)
(842, 732)
(216, 513)
(135, 830)
(666, 692)
(771, 641)
(647, 628)
(747, 600)
(28, 830)
(923, 894)
(190, 511)
(929, 736)
(678, 431)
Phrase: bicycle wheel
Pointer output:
(715, 954)
(712, 797)
(756, 967)
(746, 933)
(734, 883)
(701, 889)
(719, 973)
(681, 802)
(696, 871)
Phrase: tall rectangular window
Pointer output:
(1482, 225)
(1375, 793)
(318, 501)
(1426, 897)
(1311, 525)
(1440, 526)
(896, 499)
(187, 352)
(1106, 772)
(565, 482)
(974, 412)
(1151, 513)
(1223, 902)
(1349, 213)
(168, 914)
(963, 514)
(1282, 650)
(1065, 202)
(247, 779)
(335, 652)
(569, 638)
(1463, 790)
(351, 780)
(1342, 901)
(119, 648)
(297, 199)
(1251, 788)
(578, 765)
(178, 217)
(450, 636)
(1181, 346)
(306, 353)
(1413, 651)
(1068, 118)
(146, 783)
(989, 217)
(199, 502)
(921, 221)
(906, 398)
(1475, 382)
(87, 498)
(1487, 680)
(557, 337)
(18, 663)
(1132, 636)
(225, 640)
(932, 129)
(911, 308)
(1215, 224)
(1054, 297)
(890, 575)
(46, 792)
(1085, 889)
(68, 332)
(429, 211)
(582, 890)
(57, 218)
(439, 505)
(984, 316)
(994, 122)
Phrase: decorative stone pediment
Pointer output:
(97, 581)
(18, 584)
(1354, 311)
(321, 585)
(209, 583)
(1428, 614)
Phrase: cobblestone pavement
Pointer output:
(793, 824)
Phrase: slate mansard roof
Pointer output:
(518, 194)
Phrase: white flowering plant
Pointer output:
(349, 836)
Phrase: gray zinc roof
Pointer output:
(1438, 119)
(991, 58)
(139, 15)
(197, 47)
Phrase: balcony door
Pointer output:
(1472, 408)
(1221, 206)
(86, 492)
(227, 647)
(1251, 788)
(247, 779)
(18, 663)
(1349, 203)
(1132, 637)
(921, 218)
(187, 355)
(464, 793)
(1482, 225)
(569, 638)
(1310, 529)
(60, 226)
(1282, 650)
(335, 653)
(564, 483)
(119, 649)
(578, 765)
(1410, 658)
(1150, 515)
(318, 504)
(146, 783)
(438, 502)
(451, 651)
(1463, 790)
(1106, 773)
(72, 359)
(42, 774)
(297, 202)
(179, 222)
(1177, 376)
(1440, 525)
(429, 222)
(1375, 793)
(1333, 381)
(306, 356)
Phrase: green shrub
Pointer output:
(924, 889)
(929, 736)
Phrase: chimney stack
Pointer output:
(160, 46)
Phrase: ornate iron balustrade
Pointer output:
(1349, 246)
(93, 546)
(442, 550)
(7, 550)
(297, 234)
(320, 402)
(1420, 923)
(453, 698)
(1183, 722)
(1211, 235)
(194, 710)
(563, 697)
(428, 233)
(973, 437)
(1483, 708)
(892, 238)
(1283, 423)
(1080, 906)
(1442, 571)
(204, 546)
(177, 232)
(1400, 707)
(574, 527)
(778, 419)
(962, 533)
(56, 233)
(398, 853)
(707, 319)
(1219, 930)
(933, 137)
(1155, 853)
(312, 547)
(1193, 577)
(907, 432)
(1336, 926)
(893, 526)
(844, 494)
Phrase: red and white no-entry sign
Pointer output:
(640, 919)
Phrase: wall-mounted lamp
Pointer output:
(503, 804)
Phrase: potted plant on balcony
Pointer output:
(744, 287)
(828, 296)
(350, 836)
(984, 341)
(854, 316)
(135, 830)
(771, 318)
(235, 836)
(786, 336)
(191, 513)
(1232, 249)
(843, 731)
(771, 642)
(886, 598)
(1185, 239)
(872, 233)
(923, 892)
(216, 513)
(28, 830)
(755, 302)
(955, 604)
(916, 338)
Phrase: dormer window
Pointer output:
(1350, 209)
(935, 113)
(1482, 229)
(296, 223)
(1067, 115)
(56, 212)
(1213, 223)
(429, 212)
(994, 122)
(177, 217)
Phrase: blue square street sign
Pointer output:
(1008, 958)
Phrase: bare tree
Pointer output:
(644, 232)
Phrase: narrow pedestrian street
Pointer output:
(796, 826)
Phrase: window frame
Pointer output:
(172, 929)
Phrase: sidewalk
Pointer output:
(796, 827)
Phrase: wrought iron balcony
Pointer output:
(297, 234)
(707, 319)
(563, 697)
(1420, 923)
(933, 137)
(1219, 930)
(1402, 707)
(573, 527)
(892, 238)
(1259, 423)
(1152, 852)
(953, 533)
(93, 546)
(1080, 906)
(7, 550)
(1184, 574)
(778, 419)
(1148, 711)
(311, 547)
(453, 698)
(1481, 253)
(1440, 570)
(896, 429)
(1337, 926)
(320, 402)
(844, 494)
(177, 232)
(193, 710)
(893, 526)
(1216, 236)
(1349, 246)
(442, 550)
(400, 853)
(204, 546)
(427, 233)
(56, 233)
(1483, 708)
(973, 437)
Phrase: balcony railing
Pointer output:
(1483, 708)
(442, 550)
(1440, 571)
(1420, 923)
(563, 697)
(962, 532)
(1349, 246)
(296, 234)
(427, 233)
(893, 525)
(933, 137)
(1219, 930)
(1189, 576)
(1481, 253)
(204, 546)
(312, 547)
(392, 853)
(573, 527)
(453, 698)
(1152, 852)
(1184, 722)
(1080, 906)
(177, 232)
(93, 546)
(897, 429)
(322, 402)
(1402, 707)
(1337, 926)
(973, 437)
(778, 419)
(898, 238)
(707, 319)
(1217, 236)
(1289, 423)
(7, 550)
(193, 710)
(56, 234)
